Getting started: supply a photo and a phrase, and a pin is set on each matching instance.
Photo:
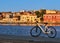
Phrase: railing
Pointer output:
(19, 23)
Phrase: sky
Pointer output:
(18, 5)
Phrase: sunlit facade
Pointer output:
(53, 19)
(18, 17)
(28, 17)
(50, 11)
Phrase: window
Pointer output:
(31, 17)
(27, 19)
(0, 13)
(18, 17)
(11, 16)
(35, 19)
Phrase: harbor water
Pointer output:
(18, 30)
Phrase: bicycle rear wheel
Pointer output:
(52, 32)
(35, 31)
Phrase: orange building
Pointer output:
(52, 18)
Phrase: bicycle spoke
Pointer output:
(52, 32)
(35, 31)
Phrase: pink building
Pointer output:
(52, 18)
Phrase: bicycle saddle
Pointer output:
(46, 23)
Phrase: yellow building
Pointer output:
(50, 11)
(28, 17)
(19, 17)
(6, 16)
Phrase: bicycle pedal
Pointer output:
(45, 30)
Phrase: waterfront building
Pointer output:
(28, 17)
(50, 11)
(6, 16)
(52, 18)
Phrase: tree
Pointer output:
(37, 13)
(40, 14)
(43, 11)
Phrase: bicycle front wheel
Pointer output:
(35, 31)
(52, 32)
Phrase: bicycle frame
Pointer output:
(43, 30)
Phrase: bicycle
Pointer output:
(50, 31)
